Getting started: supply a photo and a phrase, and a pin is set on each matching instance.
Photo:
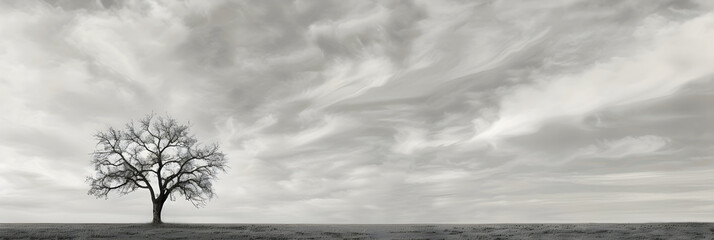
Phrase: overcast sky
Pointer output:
(370, 111)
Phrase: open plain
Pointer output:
(376, 231)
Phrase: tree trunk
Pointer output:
(158, 205)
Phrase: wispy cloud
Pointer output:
(625, 147)
(677, 55)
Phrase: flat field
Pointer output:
(328, 231)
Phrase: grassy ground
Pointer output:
(325, 231)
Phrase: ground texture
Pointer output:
(326, 231)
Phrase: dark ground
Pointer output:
(326, 231)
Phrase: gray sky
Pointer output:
(370, 112)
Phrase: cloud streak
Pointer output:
(659, 71)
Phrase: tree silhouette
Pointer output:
(158, 155)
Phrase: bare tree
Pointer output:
(159, 155)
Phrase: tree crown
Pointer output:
(157, 154)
